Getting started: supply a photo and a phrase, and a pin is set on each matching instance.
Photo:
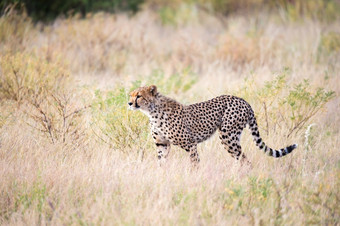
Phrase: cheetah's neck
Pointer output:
(163, 104)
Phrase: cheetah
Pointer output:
(173, 123)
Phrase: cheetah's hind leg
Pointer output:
(231, 140)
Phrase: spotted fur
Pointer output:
(188, 125)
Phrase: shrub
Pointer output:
(330, 43)
(46, 10)
(181, 14)
(303, 103)
(42, 87)
(24, 77)
(324, 10)
(240, 51)
(329, 49)
(15, 28)
(115, 125)
(58, 116)
(292, 107)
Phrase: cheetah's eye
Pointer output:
(138, 96)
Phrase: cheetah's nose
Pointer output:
(130, 103)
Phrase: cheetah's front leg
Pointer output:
(194, 158)
(163, 147)
(163, 150)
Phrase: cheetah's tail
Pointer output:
(259, 142)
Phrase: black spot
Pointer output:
(159, 144)
(282, 150)
(271, 152)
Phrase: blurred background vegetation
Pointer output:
(71, 153)
(41, 10)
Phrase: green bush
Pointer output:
(330, 43)
(24, 77)
(324, 10)
(304, 102)
(282, 105)
(114, 124)
(48, 10)
(181, 14)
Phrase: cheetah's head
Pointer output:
(143, 98)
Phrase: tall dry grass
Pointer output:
(71, 153)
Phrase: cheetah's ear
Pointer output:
(153, 90)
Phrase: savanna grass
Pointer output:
(80, 157)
